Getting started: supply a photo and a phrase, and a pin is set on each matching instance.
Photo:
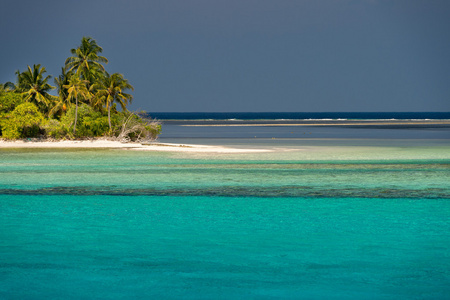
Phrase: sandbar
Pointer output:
(108, 144)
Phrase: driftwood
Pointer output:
(135, 129)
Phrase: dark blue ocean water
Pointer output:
(296, 126)
(178, 133)
(298, 115)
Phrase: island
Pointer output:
(85, 107)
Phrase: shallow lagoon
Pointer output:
(316, 219)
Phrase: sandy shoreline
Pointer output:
(105, 144)
(177, 147)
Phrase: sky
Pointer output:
(247, 55)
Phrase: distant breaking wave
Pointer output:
(304, 116)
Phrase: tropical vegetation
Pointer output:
(85, 103)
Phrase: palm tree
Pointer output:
(34, 87)
(86, 61)
(76, 88)
(112, 89)
(7, 87)
(63, 100)
(61, 81)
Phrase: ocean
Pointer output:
(300, 128)
(299, 115)
(331, 212)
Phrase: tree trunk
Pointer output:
(76, 114)
(109, 118)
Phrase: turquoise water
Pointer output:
(334, 221)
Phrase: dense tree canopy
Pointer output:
(35, 87)
(85, 104)
(77, 88)
(112, 89)
(86, 61)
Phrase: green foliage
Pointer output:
(77, 89)
(86, 105)
(56, 129)
(60, 82)
(112, 88)
(86, 61)
(9, 101)
(35, 87)
(10, 130)
(23, 122)
(63, 101)
(93, 125)
(90, 123)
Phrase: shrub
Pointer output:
(23, 122)
(55, 129)
(9, 101)
(90, 123)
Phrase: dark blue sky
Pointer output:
(247, 55)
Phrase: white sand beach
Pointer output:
(102, 143)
